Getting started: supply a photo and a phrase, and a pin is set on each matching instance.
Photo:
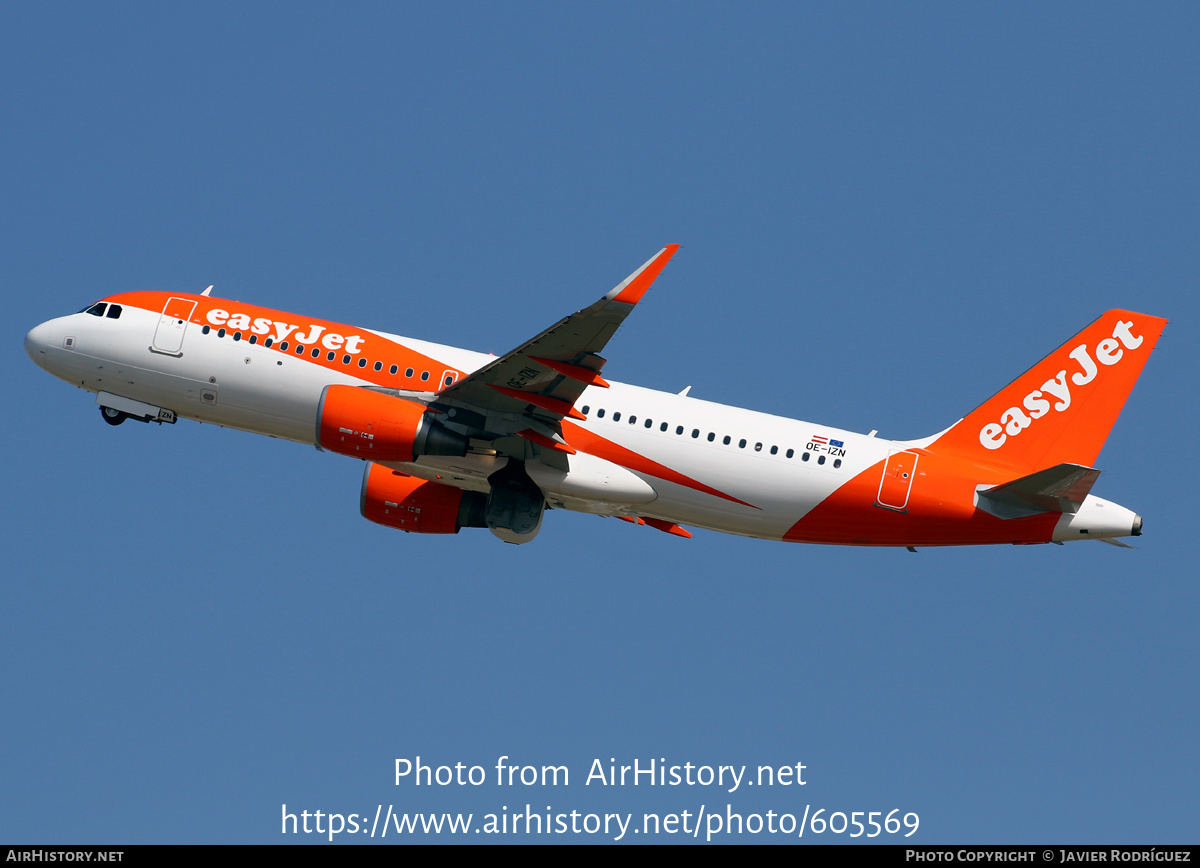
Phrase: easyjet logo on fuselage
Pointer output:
(1014, 420)
(263, 325)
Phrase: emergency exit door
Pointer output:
(896, 484)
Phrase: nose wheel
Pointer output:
(112, 416)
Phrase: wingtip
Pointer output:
(631, 290)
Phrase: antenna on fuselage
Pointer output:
(207, 291)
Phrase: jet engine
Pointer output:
(365, 424)
(394, 499)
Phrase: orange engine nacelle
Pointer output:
(394, 499)
(378, 427)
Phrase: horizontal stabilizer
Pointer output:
(1061, 488)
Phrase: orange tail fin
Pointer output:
(1061, 410)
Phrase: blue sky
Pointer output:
(887, 212)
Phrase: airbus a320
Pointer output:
(453, 438)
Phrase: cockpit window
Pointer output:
(96, 309)
(114, 311)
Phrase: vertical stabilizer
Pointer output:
(1061, 410)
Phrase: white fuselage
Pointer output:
(633, 452)
(250, 387)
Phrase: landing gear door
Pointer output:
(168, 337)
(896, 484)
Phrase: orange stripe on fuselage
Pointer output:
(282, 328)
(940, 510)
(594, 444)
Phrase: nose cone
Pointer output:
(38, 342)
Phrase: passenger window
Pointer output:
(331, 356)
(267, 343)
(114, 311)
(837, 462)
(649, 423)
(774, 450)
(726, 440)
(346, 359)
(237, 336)
(316, 353)
(282, 347)
(253, 339)
(633, 420)
(362, 363)
(409, 372)
(221, 334)
(299, 349)
(791, 452)
(393, 370)
(379, 366)
(585, 409)
(205, 330)
(617, 416)
(804, 457)
(711, 436)
(424, 375)
(821, 459)
(758, 447)
(741, 444)
(695, 433)
(679, 429)
(600, 413)
(662, 427)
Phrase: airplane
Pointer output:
(453, 438)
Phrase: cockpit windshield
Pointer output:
(99, 308)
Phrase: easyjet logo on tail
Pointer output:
(1056, 392)
(262, 325)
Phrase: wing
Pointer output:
(527, 392)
